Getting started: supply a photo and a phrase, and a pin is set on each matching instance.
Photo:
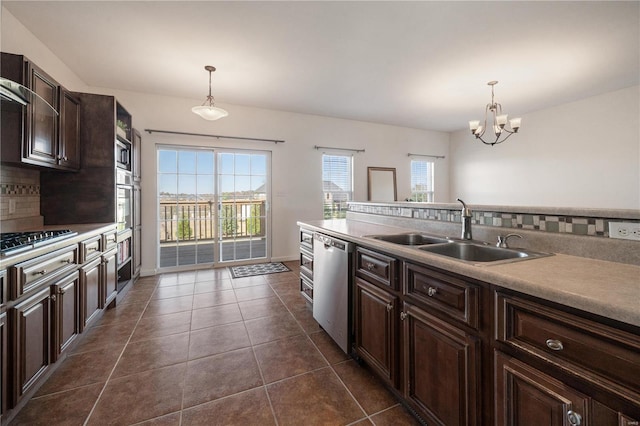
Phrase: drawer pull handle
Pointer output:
(432, 291)
(574, 418)
(554, 345)
(66, 261)
(44, 271)
(370, 266)
(389, 307)
(92, 249)
(403, 315)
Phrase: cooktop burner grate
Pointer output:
(16, 242)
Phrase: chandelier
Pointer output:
(501, 132)
(207, 110)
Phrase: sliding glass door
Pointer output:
(212, 206)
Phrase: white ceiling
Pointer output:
(414, 64)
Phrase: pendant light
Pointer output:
(498, 124)
(207, 110)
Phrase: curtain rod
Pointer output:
(338, 149)
(276, 141)
(426, 155)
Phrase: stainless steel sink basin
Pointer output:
(479, 253)
(411, 239)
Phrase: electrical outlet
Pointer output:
(12, 206)
(624, 230)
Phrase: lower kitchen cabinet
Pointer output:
(3, 364)
(31, 341)
(376, 339)
(65, 295)
(526, 396)
(110, 275)
(441, 369)
(90, 291)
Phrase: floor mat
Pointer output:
(258, 269)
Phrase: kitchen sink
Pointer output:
(471, 252)
(411, 239)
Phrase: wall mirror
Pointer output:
(381, 184)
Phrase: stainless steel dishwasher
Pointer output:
(331, 294)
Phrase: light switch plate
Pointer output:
(624, 230)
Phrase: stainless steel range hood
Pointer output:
(17, 93)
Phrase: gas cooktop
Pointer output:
(16, 242)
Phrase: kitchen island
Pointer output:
(470, 343)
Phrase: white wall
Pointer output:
(580, 154)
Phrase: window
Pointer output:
(337, 184)
(422, 180)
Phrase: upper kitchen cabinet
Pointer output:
(92, 191)
(36, 134)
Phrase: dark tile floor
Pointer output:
(201, 348)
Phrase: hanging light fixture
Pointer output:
(207, 110)
(498, 125)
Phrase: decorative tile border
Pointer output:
(576, 225)
(18, 189)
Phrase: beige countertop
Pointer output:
(608, 289)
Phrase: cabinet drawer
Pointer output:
(449, 294)
(306, 287)
(377, 268)
(306, 240)
(306, 265)
(32, 273)
(90, 248)
(570, 342)
(110, 239)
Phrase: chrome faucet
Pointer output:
(466, 221)
(502, 241)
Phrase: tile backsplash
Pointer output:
(588, 222)
(20, 187)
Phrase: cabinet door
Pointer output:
(41, 144)
(376, 313)
(69, 148)
(526, 396)
(31, 341)
(66, 302)
(91, 293)
(441, 369)
(3, 363)
(110, 276)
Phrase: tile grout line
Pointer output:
(95, 404)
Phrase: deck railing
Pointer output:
(191, 221)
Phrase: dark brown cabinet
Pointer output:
(109, 276)
(65, 295)
(31, 341)
(590, 368)
(441, 369)
(44, 134)
(3, 364)
(526, 396)
(376, 325)
(91, 292)
(306, 264)
(69, 147)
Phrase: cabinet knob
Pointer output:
(432, 291)
(403, 315)
(61, 291)
(554, 345)
(574, 418)
(389, 307)
(44, 271)
(66, 261)
(53, 297)
(370, 266)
